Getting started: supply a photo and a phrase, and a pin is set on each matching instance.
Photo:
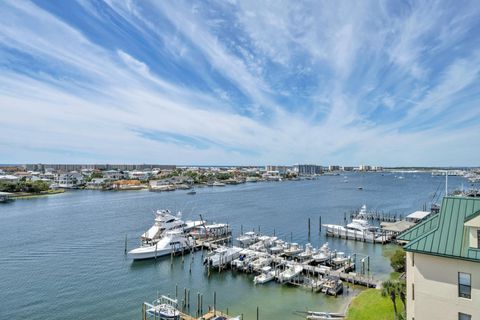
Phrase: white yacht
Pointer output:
(163, 308)
(222, 256)
(359, 228)
(323, 254)
(290, 273)
(265, 276)
(247, 238)
(164, 221)
(171, 242)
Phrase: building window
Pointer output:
(464, 285)
(413, 259)
(464, 316)
(413, 291)
(478, 239)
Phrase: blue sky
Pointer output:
(240, 82)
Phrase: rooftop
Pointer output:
(445, 234)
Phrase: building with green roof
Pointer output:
(443, 262)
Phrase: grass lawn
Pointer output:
(370, 305)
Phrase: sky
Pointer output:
(385, 83)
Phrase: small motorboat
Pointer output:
(247, 239)
(340, 258)
(277, 247)
(265, 276)
(293, 250)
(290, 273)
(332, 286)
(164, 308)
(192, 192)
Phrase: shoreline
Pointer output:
(26, 195)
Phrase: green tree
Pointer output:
(397, 260)
(389, 289)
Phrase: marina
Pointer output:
(96, 272)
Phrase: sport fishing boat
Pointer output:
(323, 254)
(265, 276)
(290, 273)
(163, 308)
(222, 256)
(171, 242)
(307, 254)
(293, 250)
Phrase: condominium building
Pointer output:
(443, 263)
(308, 169)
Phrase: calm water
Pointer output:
(63, 256)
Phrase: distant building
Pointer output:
(348, 168)
(333, 168)
(443, 262)
(364, 167)
(279, 169)
(79, 167)
(308, 169)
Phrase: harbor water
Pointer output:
(62, 256)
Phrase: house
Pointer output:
(70, 180)
(113, 175)
(443, 262)
(9, 179)
(96, 183)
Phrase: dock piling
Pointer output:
(214, 303)
(309, 229)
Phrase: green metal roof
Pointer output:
(447, 236)
(419, 229)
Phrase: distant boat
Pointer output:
(360, 188)
(192, 192)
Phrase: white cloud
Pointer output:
(110, 95)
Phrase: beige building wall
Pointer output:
(435, 281)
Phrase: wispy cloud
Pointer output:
(239, 82)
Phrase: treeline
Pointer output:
(25, 186)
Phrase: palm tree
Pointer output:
(402, 289)
(389, 288)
